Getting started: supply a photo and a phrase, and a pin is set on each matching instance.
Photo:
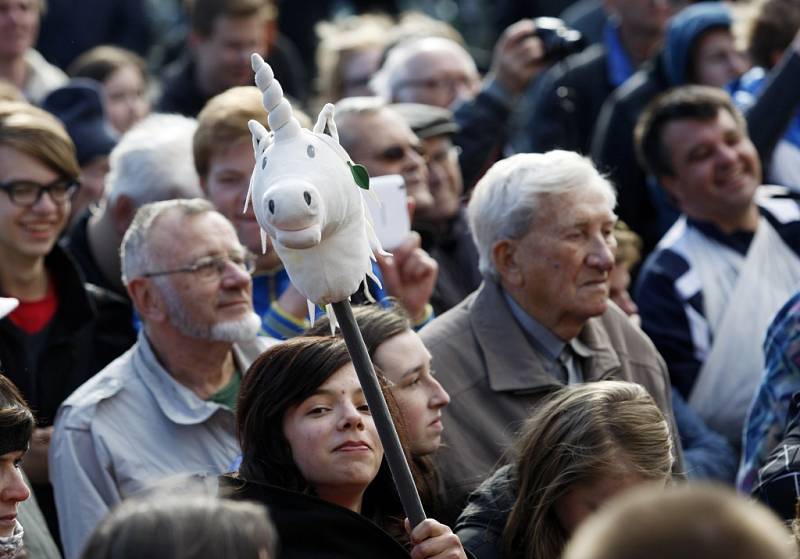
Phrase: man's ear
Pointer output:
(504, 256)
(671, 186)
(122, 211)
(147, 300)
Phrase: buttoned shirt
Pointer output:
(130, 425)
(562, 354)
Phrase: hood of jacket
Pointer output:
(684, 29)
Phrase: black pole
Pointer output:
(380, 413)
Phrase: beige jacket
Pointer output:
(494, 377)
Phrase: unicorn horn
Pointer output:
(281, 118)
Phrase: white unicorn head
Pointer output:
(306, 197)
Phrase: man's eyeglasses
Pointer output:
(439, 157)
(27, 193)
(212, 267)
(396, 153)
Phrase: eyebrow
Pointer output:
(328, 392)
(418, 369)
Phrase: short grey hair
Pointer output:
(154, 161)
(504, 203)
(394, 69)
(136, 250)
(350, 107)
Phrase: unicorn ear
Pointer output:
(325, 123)
(260, 135)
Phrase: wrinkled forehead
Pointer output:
(589, 204)
(175, 234)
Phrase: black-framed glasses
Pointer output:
(212, 267)
(27, 193)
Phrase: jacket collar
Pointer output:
(177, 402)
(511, 362)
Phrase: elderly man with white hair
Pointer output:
(439, 71)
(153, 161)
(544, 227)
(166, 406)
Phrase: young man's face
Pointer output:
(19, 24)
(716, 168)
(226, 187)
(716, 60)
(28, 232)
(223, 57)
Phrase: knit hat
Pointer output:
(79, 105)
(684, 29)
(427, 121)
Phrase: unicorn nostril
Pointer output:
(271, 206)
(307, 197)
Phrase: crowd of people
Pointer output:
(586, 339)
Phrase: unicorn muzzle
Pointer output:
(292, 209)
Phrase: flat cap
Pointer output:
(427, 121)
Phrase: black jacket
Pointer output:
(455, 252)
(569, 102)
(310, 528)
(91, 327)
(481, 525)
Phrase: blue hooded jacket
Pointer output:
(684, 30)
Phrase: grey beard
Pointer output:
(241, 330)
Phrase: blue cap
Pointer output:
(79, 105)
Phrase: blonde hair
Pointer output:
(683, 522)
(39, 134)
(223, 122)
(580, 433)
(629, 245)
(339, 41)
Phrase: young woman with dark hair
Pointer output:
(311, 453)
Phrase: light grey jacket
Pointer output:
(128, 426)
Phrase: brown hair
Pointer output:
(772, 30)
(338, 42)
(580, 433)
(100, 62)
(693, 102)
(377, 325)
(629, 245)
(189, 527)
(16, 419)
(223, 122)
(39, 134)
(284, 376)
(683, 522)
(204, 13)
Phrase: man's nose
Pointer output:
(601, 255)
(234, 275)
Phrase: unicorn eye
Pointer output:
(263, 163)
(311, 151)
